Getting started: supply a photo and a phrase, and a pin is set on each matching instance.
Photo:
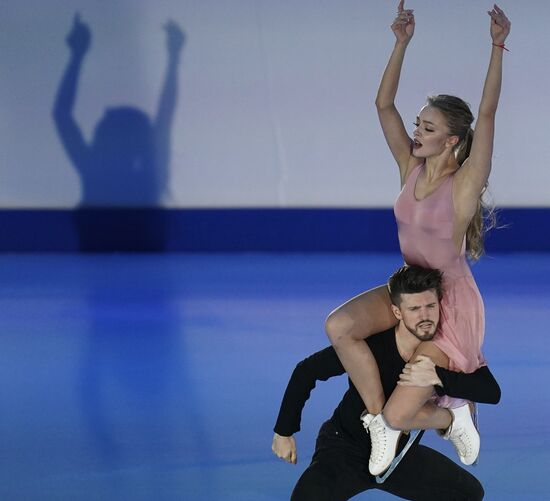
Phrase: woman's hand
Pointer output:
(420, 373)
(403, 24)
(500, 25)
(284, 448)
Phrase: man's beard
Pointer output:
(420, 333)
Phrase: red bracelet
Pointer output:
(501, 45)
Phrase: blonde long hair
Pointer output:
(459, 120)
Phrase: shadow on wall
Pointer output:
(124, 170)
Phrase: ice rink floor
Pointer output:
(158, 377)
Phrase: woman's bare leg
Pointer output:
(431, 417)
(405, 402)
(347, 327)
(407, 408)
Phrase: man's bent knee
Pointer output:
(474, 490)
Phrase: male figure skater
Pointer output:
(339, 467)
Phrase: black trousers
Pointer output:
(339, 470)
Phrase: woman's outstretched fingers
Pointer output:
(401, 6)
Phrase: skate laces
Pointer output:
(460, 440)
(378, 438)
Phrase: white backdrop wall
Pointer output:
(275, 103)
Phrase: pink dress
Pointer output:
(426, 239)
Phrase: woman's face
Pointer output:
(431, 135)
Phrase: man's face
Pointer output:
(419, 313)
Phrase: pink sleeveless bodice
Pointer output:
(426, 239)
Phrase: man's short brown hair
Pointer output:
(411, 279)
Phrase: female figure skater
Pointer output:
(444, 171)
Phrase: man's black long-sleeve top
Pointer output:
(479, 386)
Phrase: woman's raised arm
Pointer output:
(474, 173)
(392, 125)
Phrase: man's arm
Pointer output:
(478, 386)
(318, 367)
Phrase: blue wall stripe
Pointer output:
(200, 230)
